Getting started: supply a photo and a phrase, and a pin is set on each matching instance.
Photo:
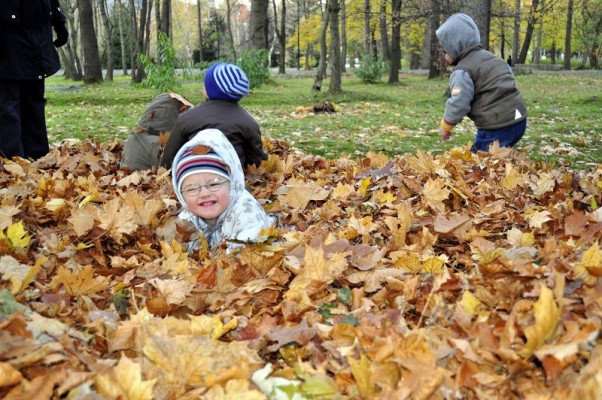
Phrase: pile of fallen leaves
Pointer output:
(415, 277)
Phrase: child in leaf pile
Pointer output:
(482, 86)
(209, 182)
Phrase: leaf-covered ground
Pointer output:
(416, 277)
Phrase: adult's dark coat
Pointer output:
(27, 57)
(27, 50)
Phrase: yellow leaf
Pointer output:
(342, 191)
(12, 270)
(512, 178)
(547, 317)
(125, 381)
(432, 265)
(83, 282)
(364, 185)
(363, 377)
(434, 193)
(85, 201)
(592, 260)
(470, 302)
(9, 376)
(16, 235)
(32, 273)
(212, 326)
(383, 197)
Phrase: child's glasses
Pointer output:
(195, 190)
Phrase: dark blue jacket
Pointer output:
(26, 38)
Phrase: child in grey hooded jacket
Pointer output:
(482, 87)
(209, 182)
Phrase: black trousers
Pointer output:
(22, 120)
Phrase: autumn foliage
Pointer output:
(415, 277)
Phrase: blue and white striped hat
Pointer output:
(226, 82)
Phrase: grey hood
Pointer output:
(457, 34)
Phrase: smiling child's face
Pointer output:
(206, 204)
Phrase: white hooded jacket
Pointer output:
(244, 218)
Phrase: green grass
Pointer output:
(564, 115)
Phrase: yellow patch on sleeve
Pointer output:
(455, 91)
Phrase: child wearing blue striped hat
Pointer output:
(224, 86)
(208, 180)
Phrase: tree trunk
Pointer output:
(516, 31)
(529, 33)
(437, 65)
(166, 17)
(384, 35)
(108, 40)
(395, 41)
(343, 36)
(537, 52)
(335, 47)
(69, 53)
(259, 24)
(480, 11)
(230, 39)
(119, 12)
(367, 33)
(281, 34)
(322, 64)
(92, 67)
(200, 28)
(568, 33)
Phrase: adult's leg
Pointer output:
(10, 120)
(33, 127)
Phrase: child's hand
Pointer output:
(445, 134)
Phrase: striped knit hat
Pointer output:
(199, 159)
(226, 82)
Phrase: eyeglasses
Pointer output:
(194, 190)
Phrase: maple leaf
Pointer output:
(81, 282)
(201, 361)
(82, 220)
(547, 317)
(145, 210)
(117, 219)
(6, 215)
(173, 291)
(298, 195)
(316, 268)
(125, 381)
(17, 235)
(538, 218)
(434, 193)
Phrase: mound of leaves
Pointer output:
(416, 277)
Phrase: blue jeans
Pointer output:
(507, 136)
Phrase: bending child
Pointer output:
(482, 87)
(208, 179)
